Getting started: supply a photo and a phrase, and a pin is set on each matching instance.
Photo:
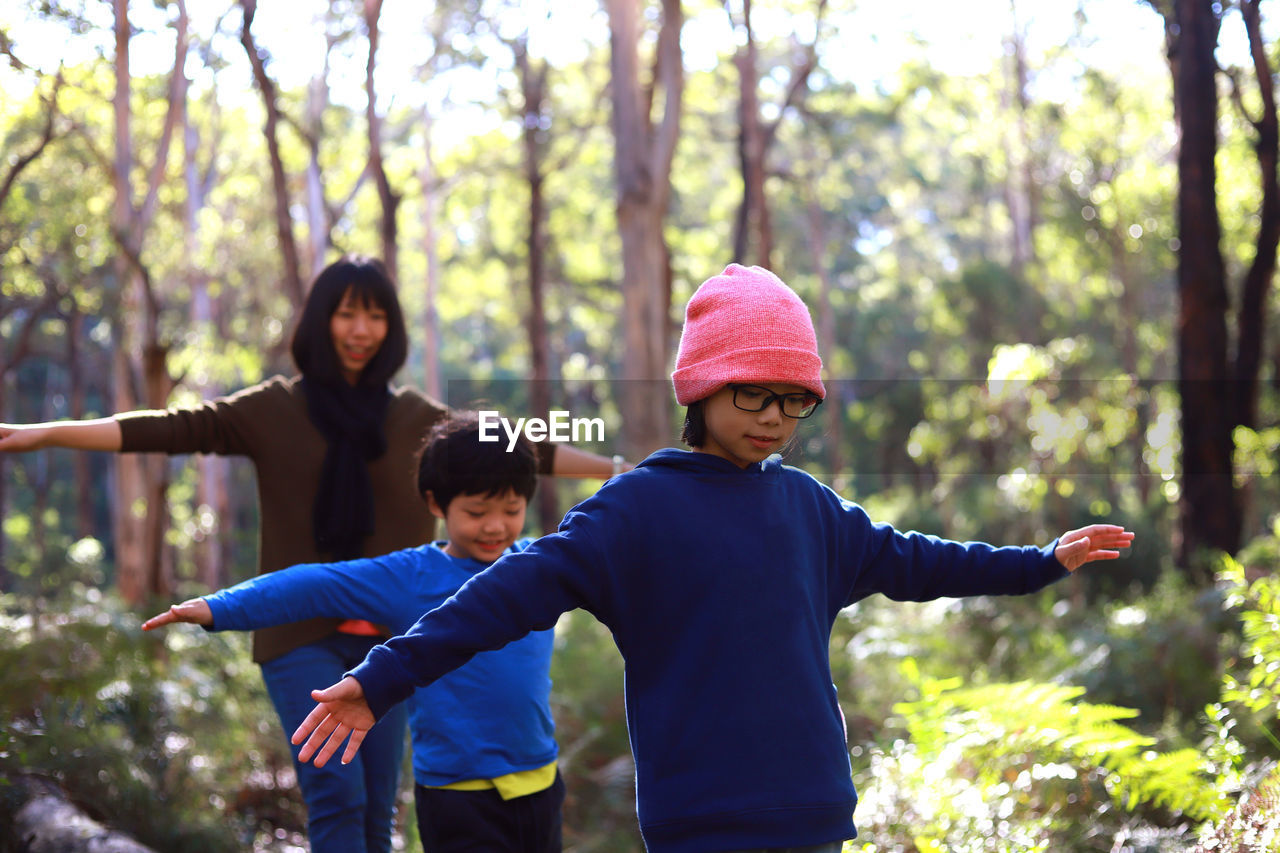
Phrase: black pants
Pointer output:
(483, 822)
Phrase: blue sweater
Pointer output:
(720, 586)
(489, 718)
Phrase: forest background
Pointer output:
(1038, 240)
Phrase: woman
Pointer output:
(334, 450)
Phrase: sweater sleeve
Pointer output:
(377, 589)
(519, 593)
(918, 567)
(224, 425)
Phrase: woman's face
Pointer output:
(358, 330)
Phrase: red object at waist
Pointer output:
(360, 628)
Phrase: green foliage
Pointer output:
(1019, 766)
(170, 739)
(1258, 602)
(595, 756)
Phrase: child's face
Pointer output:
(747, 437)
(481, 527)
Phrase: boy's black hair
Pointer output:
(694, 433)
(312, 345)
(454, 461)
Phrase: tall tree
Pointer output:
(533, 89)
(141, 377)
(387, 197)
(1211, 509)
(642, 170)
(1252, 311)
(753, 238)
(293, 283)
(213, 504)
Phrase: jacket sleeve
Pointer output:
(918, 567)
(377, 589)
(519, 593)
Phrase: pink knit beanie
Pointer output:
(745, 325)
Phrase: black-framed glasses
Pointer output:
(756, 398)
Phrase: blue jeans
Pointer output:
(351, 807)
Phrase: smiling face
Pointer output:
(358, 329)
(746, 437)
(480, 527)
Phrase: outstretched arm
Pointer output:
(341, 711)
(1094, 542)
(570, 461)
(100, 434)
(195, 610)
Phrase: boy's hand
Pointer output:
(341, 711)
(195, 611)
(1095, 542)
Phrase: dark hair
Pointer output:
(694, 433)
(312, 345)
(455, 462)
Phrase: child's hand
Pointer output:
(342, 711)
(195, 611)
(1095, 542)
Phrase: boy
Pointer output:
(484, 752)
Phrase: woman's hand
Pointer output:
(20, 439)
(99, 434)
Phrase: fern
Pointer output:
(1001, 731)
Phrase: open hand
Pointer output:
(341, 711)
(1095, 542)
(195, 611)
(19, 439)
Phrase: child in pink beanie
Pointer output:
(720, 572)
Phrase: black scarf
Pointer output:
(352, 420)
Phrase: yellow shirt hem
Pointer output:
(512, 785)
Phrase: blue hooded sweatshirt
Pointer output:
(489, 718)
(720, 585)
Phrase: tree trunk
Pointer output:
(1252, 313)
(1210, 515)
(389, 199)
(753, 226)
(833, 406)
(211, 486)
(293, 283)
(1020, 184)
(76, 393)
(533, 90)
(317, 212)
(140, 511)
(47, 823)
(431, 382)
(752, 229)
(643, 186)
